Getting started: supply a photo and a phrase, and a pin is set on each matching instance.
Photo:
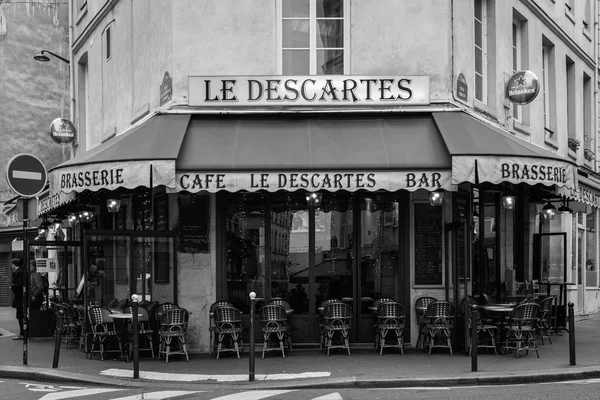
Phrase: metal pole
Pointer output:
(25, 269)
(135, 339)
(57, 337)
(251, 371)
(571, 334)
(474, 343)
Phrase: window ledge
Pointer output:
(109, 134)
(484, 108)
(81, 14)
(517, 126)
(551, 143)
(140, 113)
(573, 154)
(570, 15)
(587, 33)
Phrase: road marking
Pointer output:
(162, 376)
(330, 396)
(35, 176)
(76, 393)
(252, 395)
(165, 394)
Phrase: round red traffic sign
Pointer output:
(26, 175)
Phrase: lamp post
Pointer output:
(44, 58)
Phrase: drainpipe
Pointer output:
(71, 76)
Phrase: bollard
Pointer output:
(474, 344)
(58, 338)
(571, 333)
(135, 338)
(251, 351)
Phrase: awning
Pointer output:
(483, 153)
(291, 152)
(588, 192)
(313, 153)
(128, 160)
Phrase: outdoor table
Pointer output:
(504, 310)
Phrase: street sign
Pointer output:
(26, 175)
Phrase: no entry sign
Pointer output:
(26, 175)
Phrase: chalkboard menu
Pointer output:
(193, 224)
(428, 244)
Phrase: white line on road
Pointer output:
(165, 394)
(161, 376)
(252, 395)
(35, 176)
(330, 396)
(76, 393)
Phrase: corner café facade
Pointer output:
(303, 188)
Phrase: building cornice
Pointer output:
(92, 25)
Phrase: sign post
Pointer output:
(26, 175)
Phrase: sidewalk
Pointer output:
(307, 368)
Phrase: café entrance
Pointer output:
(307, 247)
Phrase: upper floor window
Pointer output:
(570, 4)
(516, 53)
(107, 35)
(313, 37)
(480, 47)
(548, 89)
(587, 16)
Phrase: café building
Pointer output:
(305, 188)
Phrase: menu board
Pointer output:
(193, 224)
(428, 244)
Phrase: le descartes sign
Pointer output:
(330, 90)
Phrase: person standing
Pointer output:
(36, 286)
(17, 289)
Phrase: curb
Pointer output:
(481, 379)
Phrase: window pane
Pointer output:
(479, 87)
(478, 62)
(330, 62)
(330, 8)
(590, 251)
(295, 8)
(296, 33)
(296, 62)
(478, 9)
(330, 33)
(478, 34)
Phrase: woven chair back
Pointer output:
(273, 312)
(337, 310)
(175, 316)
(424, 301)
(439, 309)
(546, 304)
(390, 310)
(227, 314)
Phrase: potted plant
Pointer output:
(574, 144)
(589, 154)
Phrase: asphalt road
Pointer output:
(580, 390)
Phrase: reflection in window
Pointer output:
(591, 270)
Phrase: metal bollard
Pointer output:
(135, 339)
(251, 351)
(58, 338)
(474, 323)
(571, 333)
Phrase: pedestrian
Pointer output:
(36, 283)
(17, 289)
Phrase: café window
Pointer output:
(314, 37)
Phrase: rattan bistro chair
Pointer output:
(102, 330)
(439, 319)
(337, 318)
(421, 304)
(173, 333)
(274, 325)
(228, 325)
(544, 322)
(521, 328)
(390, 319)
(212, 328)
(486, 332)
(145, 332)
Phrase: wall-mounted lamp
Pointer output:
(549, 211)
(43, 228)
(565, 207)
(508, 202)
(436, 198)
(314, 199)
(86, 215)
(73, 219)
(113, 205)
(41, 56)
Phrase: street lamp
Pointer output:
(44, 58)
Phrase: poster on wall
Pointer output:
(193, 224)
